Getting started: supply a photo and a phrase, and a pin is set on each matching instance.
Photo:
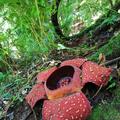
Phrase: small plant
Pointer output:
(112, 83)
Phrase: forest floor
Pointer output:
(106, 104)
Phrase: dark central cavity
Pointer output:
(61, 77)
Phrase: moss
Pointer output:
(105, 112)
(108, 110)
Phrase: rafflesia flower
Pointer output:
(60, 88)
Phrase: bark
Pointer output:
(55, 22)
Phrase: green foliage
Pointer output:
(108, 110)
(1, 76)
(112, 83)
(81, 11)
(9, 84)
(112, 48)
(27, 35)
(105, 112)
(26, 29)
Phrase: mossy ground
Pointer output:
(108, 110)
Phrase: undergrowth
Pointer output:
(111, 49)
(27, 37)
(108, 110)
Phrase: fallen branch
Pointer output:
(111, 61)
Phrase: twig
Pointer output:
(111, 3)
(111, 61)
(34, 114)
(97, 91)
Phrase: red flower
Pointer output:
(61, 87)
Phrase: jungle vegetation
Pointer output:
(36, 33)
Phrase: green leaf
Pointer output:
(111, 85)
(1, 76)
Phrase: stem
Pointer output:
(111, 3)
(111, 61)
(36, 4)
